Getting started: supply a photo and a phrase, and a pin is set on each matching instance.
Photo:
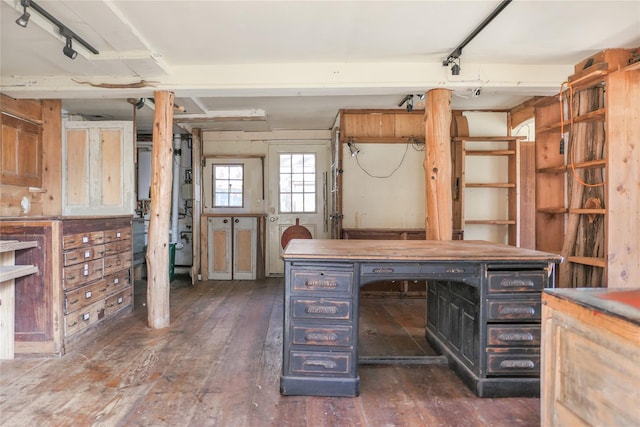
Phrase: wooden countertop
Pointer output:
(622, 303)
(411, 250)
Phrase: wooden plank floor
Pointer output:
(219, 365)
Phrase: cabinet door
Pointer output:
(219, 248)
(244, 248)
(20, 153)
(98, 168)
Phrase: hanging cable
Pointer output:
(406, 148)
(572, 146)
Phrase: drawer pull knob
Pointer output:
(383, 270)
(517, 283)
(326, 364)
(75, 301)
(320, 336)
(73, 324)
(71, 277)
(454, 270)
(517, 364)
(325, 284)
(72, 258)
(321, 309)
(515, 336)
(518, 310)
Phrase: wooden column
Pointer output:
(161, 182)
(437, 165)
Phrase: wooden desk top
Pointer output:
(411, 250)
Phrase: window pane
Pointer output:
(235, 200)
(222, 199)
(235, 186)
(222, 172)
(235, 172)
(228, 185)
(297, 182)
(309, 202)
(285, 202)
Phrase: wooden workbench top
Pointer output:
(411, 250)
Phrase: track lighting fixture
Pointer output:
(353, 149)
(63, 29)
(454, 56)
(68, 49)
(23, 20)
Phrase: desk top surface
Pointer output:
(411, 250)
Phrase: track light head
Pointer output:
(68, 49)
(23, 20)
(353, 149)
(455, 70)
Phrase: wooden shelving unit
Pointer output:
(587, 201)
(9, 271)
(510, 182)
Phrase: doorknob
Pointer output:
(236, 220)
(273, 219)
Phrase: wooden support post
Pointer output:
(437, 165)
(161, 180)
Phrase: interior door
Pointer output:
(298, 175)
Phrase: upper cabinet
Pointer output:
(98, 173)
(381, 126)
(21, 154)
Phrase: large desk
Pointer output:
(483, 310)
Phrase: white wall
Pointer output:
(374, 196)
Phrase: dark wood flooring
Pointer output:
(219, 365)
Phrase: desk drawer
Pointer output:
(321, 308)
(513, 335)
(117, 234)
(329, 335)
(118, 301)
(408, 269)
(73, 241)
(516, 281)
(516, 310)
(317, 362)
(322, 281)
(513, 362)
(117, 262)
(81, 319)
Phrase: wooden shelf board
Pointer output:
(8, 272)
(595, 262)
(490, 152)
(491, 221)
(490, 185)
(553, 210)
(588, 211)
(633, 67)
(15, 245)
(591, 164)
(489, 138)
(585, 118)
(384, 139)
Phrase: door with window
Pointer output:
(298, 187)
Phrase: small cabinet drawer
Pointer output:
(117, 281)
(516, 281)
(83, 254)
(322, 281)
(79, 274)
(117, 247)
(516, 310)
(117, 234)
(321, 308)
(513, 363)
(73, 241)
(84, 296)
(117, 262)
(81, 319)
(118, 301)
(513, 335)
(317, 362)
(339, 336)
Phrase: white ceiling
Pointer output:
(299, 62)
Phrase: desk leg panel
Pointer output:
(317, 386)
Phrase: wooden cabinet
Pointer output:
(590, 357)
(371, 126)
(21, 152)
(587, 173)
(98, 174)
(232, 243)
(84, 278)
